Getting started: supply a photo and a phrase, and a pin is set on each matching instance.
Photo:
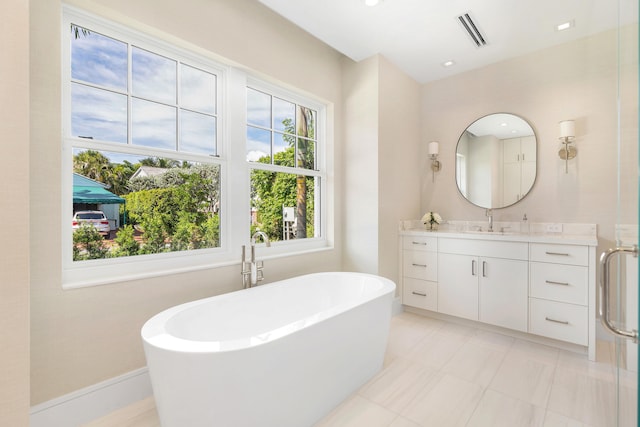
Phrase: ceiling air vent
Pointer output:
(472, 30)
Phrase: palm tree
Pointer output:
(305, 159)
(160, 162)
(94, 165)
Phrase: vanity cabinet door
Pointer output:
(458, 285)
(503, 292)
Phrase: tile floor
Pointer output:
(442, 374)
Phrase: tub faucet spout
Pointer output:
(252, 270)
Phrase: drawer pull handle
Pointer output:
(419, 294)
(419, 265)
(551, 282)
(419, 243)
(548, 319)
(557, 253)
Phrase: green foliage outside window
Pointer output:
(173, 211)
(273, 190)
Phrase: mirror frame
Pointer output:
(535, 169)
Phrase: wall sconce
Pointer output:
(567, 136)
(433, 155)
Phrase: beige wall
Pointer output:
(399, 168)
(14, 215)
(381, 169)
(577, 80)
(83, 336)
(360, 163)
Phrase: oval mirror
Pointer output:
(496, 161)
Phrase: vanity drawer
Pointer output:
(559, 320)
(560, 254)
(488, 248)
(420, 243)
(420, 265)
(420, 293)
(565, 283)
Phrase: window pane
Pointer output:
(283, 204)
(284, 116)
(153, 124)
(154, 76)
(258, 145)
(306, 122)
(98, 114)
(258, 108)
(283, 149)
(142, 205)
(98, 59)
(197, 90)
(197, 133)
(306, 154)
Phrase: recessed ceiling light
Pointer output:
(372, 2)
(448, 63)
(564, 26)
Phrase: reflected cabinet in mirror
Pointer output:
(496, 160)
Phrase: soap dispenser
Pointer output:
(524, 225)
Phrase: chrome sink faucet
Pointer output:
(252, 271)
(489, 214)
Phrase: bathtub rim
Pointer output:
(155, 334)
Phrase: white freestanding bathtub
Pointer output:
(276, 355)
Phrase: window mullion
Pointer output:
(129, 93)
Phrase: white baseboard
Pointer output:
(95, 401)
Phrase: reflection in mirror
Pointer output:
(496, 161)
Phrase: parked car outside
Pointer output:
(95, 218)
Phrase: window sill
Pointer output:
(101, 273)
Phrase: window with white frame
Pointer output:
(286, 179)
(146, 166)
(142, 126)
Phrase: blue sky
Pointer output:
(99, 68)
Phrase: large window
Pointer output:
(285, 177)
(156, 177)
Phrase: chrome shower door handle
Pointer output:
(605, 258)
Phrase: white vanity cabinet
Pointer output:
(542, 284)
(559, 292)
(484, 280)
(420, 272)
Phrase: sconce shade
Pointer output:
(433, 148)
(567, 129)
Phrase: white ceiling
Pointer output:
(419, 35)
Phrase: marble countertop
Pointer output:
(571, 234)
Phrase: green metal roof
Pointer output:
(86, 190)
